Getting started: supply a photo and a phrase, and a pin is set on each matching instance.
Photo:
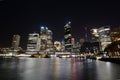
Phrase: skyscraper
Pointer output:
(43, 38)
(57, 46)
(67, 37)
(94, 35)
(104, 37)
(16, 41)
(40, 42)
(46, 43)
(33, 43)
(115, 34)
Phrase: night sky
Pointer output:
(26, 16)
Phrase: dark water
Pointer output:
(57, 69)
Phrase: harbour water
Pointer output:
(57, 69)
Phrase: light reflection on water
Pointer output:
(57, 69)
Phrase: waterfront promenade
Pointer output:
(66, 55)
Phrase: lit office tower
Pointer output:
(43, 30)
(67, 36)
(94, 35)
(49, 40)
(33, 43)
(73, 42)
(57, 46)
(16, 41)
(104, 37)
(45, 39)
(115, 34)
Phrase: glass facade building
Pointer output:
(94, 35)
(33, 44)
(16, 41)
(104, 37)
(46, 43)
(67, 37)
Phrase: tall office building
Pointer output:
(57, 46)
(94, 35)
(43, 38)
(115, 34)
(104, 37)
(62, 45)
(46, 43)
(73, 42)
(49, 41)
(16, 41)
(67, 37)
(33, 43)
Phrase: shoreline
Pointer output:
(113, 60)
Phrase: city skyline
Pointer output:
(24, 17)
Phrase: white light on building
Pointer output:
(33, 43)
(104, 37)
